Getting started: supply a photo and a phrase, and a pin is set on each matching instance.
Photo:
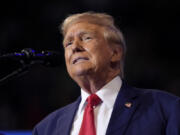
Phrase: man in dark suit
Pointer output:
(94, 54)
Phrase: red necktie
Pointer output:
(88, 126)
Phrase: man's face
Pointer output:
(86, 50)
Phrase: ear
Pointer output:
(117, 53)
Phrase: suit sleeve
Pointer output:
(173, 121)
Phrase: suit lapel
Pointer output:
(66, 120)
(124, 108)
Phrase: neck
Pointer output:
(93, 83)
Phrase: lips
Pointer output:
(78, 59)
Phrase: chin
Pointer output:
(82, 71)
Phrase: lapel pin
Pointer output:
(128, 104)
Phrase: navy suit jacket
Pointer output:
(152, 113)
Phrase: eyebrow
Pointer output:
(80, 33)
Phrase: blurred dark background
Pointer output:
(151, 29)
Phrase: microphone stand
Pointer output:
(16, 73)
(27, 61)
(26, 64)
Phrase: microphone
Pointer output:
(30, 56)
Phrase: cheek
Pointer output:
(103, 56)
(67, 56)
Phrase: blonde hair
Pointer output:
(112, 34)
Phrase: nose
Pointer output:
(77, 46)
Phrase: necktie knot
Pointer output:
(93, 100)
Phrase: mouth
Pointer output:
(79, 59)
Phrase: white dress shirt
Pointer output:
(103, 111)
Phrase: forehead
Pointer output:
(83, 28)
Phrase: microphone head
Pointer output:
(30, 56)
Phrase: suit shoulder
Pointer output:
(56, 114)
(166, 103)
(51, 120)
(158, 94)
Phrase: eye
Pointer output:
(68, 43)
(86, 38)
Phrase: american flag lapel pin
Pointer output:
(128, 104)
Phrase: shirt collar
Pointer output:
(107, 93)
